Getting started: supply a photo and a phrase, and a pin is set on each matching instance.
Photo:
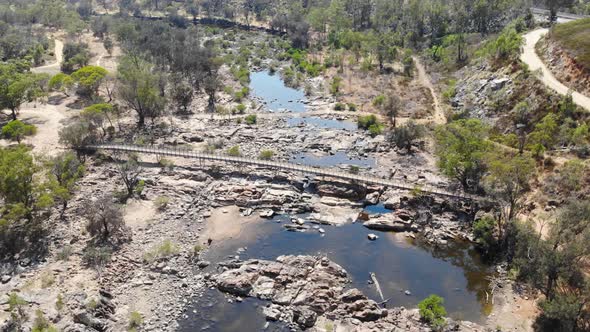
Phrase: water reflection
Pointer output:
(273, 91)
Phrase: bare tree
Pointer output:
(105, 218)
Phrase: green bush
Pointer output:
(483, 230)
(266, 154)
(370, 123)
(505, 47)
(352, 107)
(375, 129)
(42, 324)
(197, 248)
(240, 109)
(234, 151)
(16, 130)
(139, 187)
(339, 107)
(135, 321)
(379, 100)
(335, 85)
(251, 119)
(164, 250)
(432, 311)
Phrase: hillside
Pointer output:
(566, 51)
(573, 37)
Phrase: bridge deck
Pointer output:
(183, 153)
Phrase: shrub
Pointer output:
(379, 100)
(234, 151)
(59, 303)
(135, 320)
(403, 137)
(161, 202)
(91, 305)
(375, 129)
(164, 250)
(104, 217)
(451, 91)
(65, 253)
(432, 311)
(354, 169)
(266, 154)
(483, 230)
(139, 187)
(251, 119)
(240, 109)
(16, 130)
(166, 163)
(47, 280)
(197, 248)
(366, 121)
(417, 191)
(339, 107)
(506, 46)
(335, 85)
(352, 107)
(96, 256)
(41, 324)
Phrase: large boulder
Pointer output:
(342, 190)
(400, 221)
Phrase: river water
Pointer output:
(408, 269)
(455, 272)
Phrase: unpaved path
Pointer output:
(439, 115)
(530, 57)
(48, 119)
(54, 67)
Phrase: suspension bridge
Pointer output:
(279, 165)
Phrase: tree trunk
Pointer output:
(64, 206)
(105, 235)
(13, 113)
(141, 121)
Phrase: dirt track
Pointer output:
(530, 57)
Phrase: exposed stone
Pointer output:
(85, 318)
(5, 279)
(342, 190)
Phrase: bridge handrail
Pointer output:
(186, 153)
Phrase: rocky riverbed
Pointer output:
(136, 274)
(310, 293)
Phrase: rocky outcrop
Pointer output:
(342, 190)
(398, 221)
(308, 292)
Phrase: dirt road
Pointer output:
(439, 115)
(52, 68)
(530, 57)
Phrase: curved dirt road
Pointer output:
(52, 68)
(530, 57)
